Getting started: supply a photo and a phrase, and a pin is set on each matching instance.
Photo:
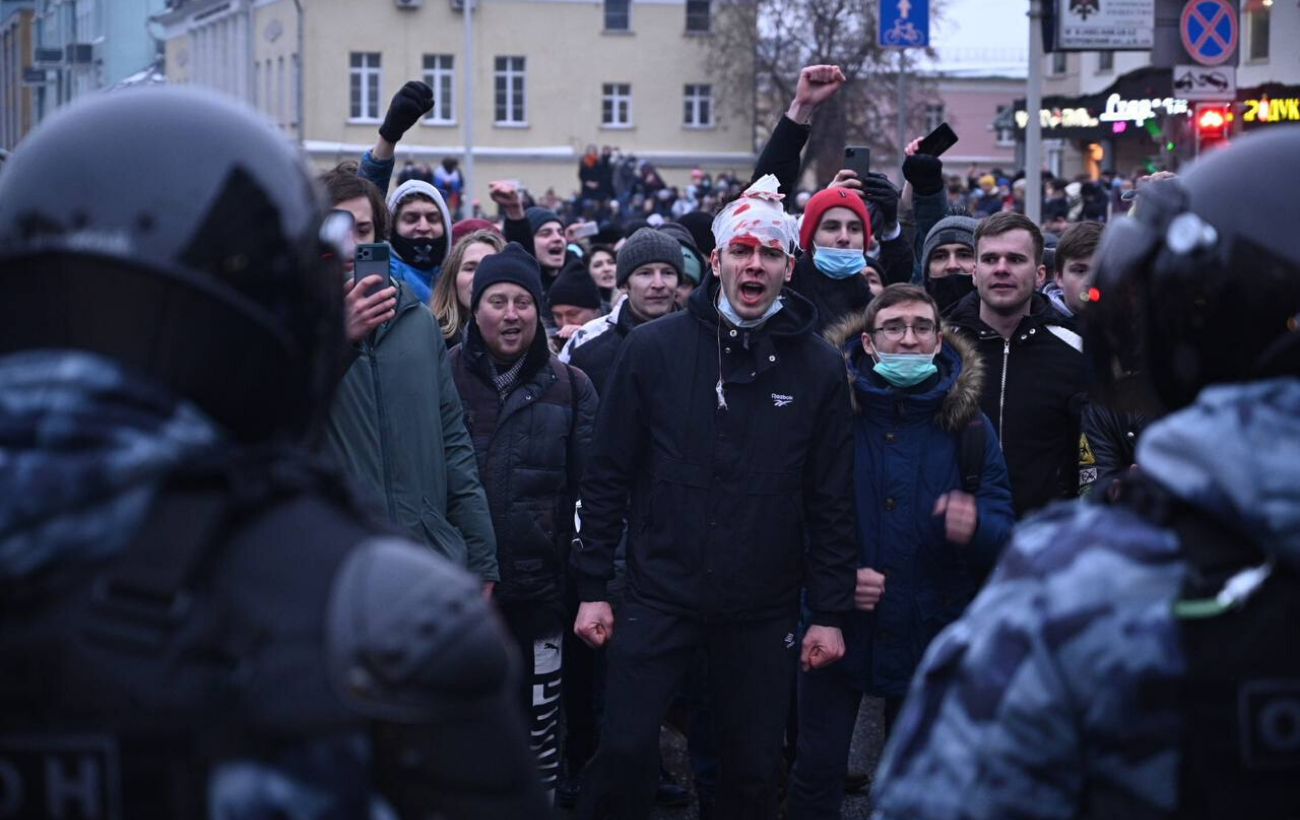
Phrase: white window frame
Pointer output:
(439, 67)
(510, 73)
(618, 98)
(368, 100)
(694, 96)
(935, 113)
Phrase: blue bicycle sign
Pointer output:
(903, 23)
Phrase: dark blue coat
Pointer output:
(906, 446)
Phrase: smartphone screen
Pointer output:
(857, 158)
(938, 141)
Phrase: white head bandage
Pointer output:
(757, 218)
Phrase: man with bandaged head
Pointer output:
(723, 440)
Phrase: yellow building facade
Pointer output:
(549, 77)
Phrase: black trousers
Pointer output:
(750, 673)
(537, 629)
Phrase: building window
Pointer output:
(1005, 132)
(440, 76)
(1105, 61)
(510, 91)
(1058, 62)
(282, 94)
(697, 15)
(1257, 24)
(365, 85)
(258, 98)
(935, 114)
(616, 105)
(618, 15)
(699, 106)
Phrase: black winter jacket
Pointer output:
(530, 450)
(1034, 394)
(732, 510)
(835, 299)
(596, 357)
(1108, 446)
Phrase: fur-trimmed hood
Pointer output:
(963, 379)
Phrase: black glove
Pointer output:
(881, 193)
(925, 173)
(410, 103)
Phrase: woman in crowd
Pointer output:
(603, 270)
(450, 301)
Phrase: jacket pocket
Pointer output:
(441, 536)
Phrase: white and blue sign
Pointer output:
(904, 23)
(1209, 31)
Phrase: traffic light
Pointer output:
(1213, 126)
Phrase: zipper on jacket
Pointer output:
(1002, 396)
(383, 438)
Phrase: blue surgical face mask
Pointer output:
(725, 308)
(839, 263)
(905, 369)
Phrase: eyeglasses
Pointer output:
(894, 331)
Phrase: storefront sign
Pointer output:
(1139, 111)
(1060, 118)
(1110, 25)
(1281, 109)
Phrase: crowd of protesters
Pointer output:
(940, 375)
(740, 447)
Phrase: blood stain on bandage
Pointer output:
(742, 209)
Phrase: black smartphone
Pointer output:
(857, 158)
(371, 260)
(938, 141)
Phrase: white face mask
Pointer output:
(725, 308)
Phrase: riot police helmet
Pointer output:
(178, 234)
(1200, 284)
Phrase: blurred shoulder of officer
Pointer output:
(1140, 659)
(198, 620)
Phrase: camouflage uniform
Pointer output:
(1052, 693)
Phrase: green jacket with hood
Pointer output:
(396, 426)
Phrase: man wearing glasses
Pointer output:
(926, 532)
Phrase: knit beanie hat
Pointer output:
(692, 259)
(537, 217)
(644, 247)
(574, 287)
(947, 231)
(822, 202)
(465, 227)
(700, 224)
(514, 264)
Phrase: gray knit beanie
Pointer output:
(947, 231)
(644, 247)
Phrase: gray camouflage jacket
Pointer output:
(1028, 705)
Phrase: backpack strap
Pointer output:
(970, 455)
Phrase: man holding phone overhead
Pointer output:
(396, 424)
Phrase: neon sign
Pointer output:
(1286, 109)
(1119, 109)
(1060, 118)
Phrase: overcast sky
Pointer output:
(983, 24)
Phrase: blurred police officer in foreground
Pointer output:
(198, 620)
(1140, 660)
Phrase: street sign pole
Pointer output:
(1034, 128)
(903, 24)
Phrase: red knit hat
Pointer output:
(822, 202)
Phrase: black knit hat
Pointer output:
(644, 247)
(574, 287)
(700, 224)
(537, 217)
(514, 264)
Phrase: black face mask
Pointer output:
(421, 255)
(950, 289)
